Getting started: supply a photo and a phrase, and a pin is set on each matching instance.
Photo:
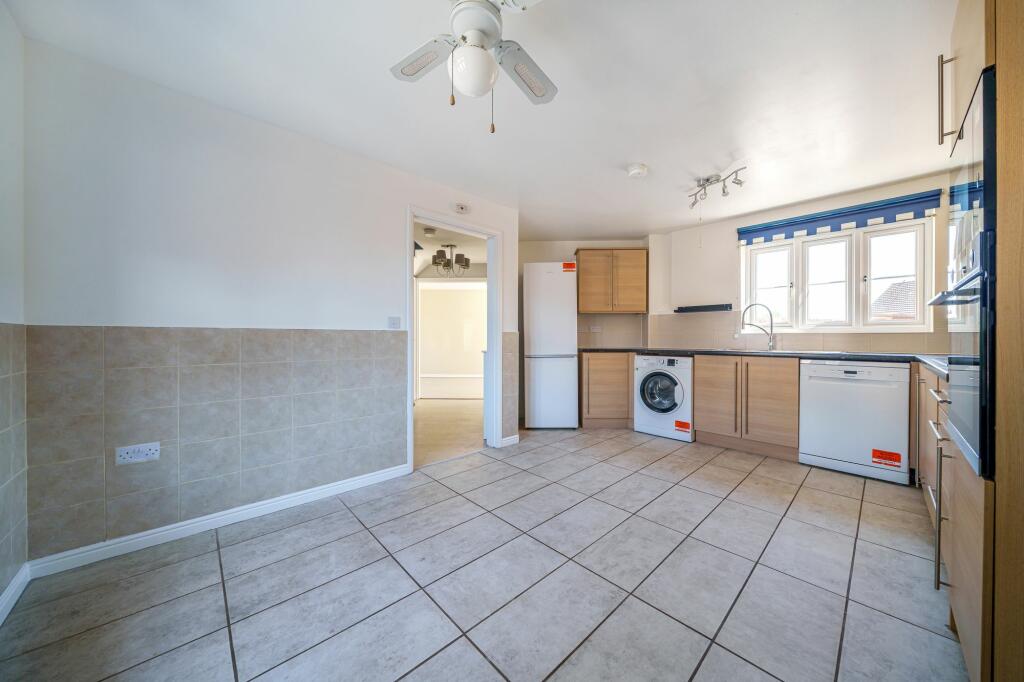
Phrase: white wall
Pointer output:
(12, 212)
(452, 335)
(149, 207)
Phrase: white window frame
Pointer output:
(858, 291)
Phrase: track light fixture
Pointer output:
(701, 193)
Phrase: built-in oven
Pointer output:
(969, 298)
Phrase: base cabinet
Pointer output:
(606, 390)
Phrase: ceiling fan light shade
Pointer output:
(473, 70)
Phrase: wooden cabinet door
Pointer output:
(629, 285)
(607, 385)
(771, 400)
(927, 410)
(716, 389)
(970, 55)
(594, 280)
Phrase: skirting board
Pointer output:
(73, 558)
(509, 440)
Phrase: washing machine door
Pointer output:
(660, 392)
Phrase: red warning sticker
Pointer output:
(886, 458)
(568, 267)
(682, 426)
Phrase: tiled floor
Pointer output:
(445, 428)
(599, 555)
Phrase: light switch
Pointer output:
(394, 323)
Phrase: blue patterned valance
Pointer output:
(862, 215)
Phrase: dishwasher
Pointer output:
(854, 417)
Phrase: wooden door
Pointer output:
(607, 385)
(716, 390)
(629, 282)
(771, 400)
(594, 280)
(927, 410)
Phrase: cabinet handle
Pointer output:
(746, 398)
(939, 518)
(935, 431)
(943, 133)
(939, 398)
(736, 396)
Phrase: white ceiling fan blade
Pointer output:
(524, 71)
(423, 60)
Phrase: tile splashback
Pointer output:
(242, 415)
(13, 473)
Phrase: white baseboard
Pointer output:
(73, 558)
(13, 591)
(509, 440)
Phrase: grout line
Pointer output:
(849, 584)
(227, 614)
(133, 666)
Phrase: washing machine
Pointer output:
(663, 396)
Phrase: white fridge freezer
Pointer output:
(550, 379)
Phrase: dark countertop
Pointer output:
(936, 363)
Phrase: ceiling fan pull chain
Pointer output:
(492, 110)
(451, 100)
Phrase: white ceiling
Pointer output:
(817, 97)
(473, 247)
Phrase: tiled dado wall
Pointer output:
(241, 415)
(13, 474)
(509, 384)
(716, 330)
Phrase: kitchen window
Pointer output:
(869, 279)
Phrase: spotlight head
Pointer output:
(694, 202)
(736, 181)
(725, 190)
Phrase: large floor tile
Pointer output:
(114, 569)
(574, 529)
(605, 449)
(636, 643)
(879, 647)
(384, 489)
(266, 549)
(530, 636)
(280, 581)
(480, 588)
(785, 626)
(501, 492)
(567, 465)
(782, 470)
(680, 508)
(401, 503)
(385, 646)
(737, 528)
(268, 523)
(697, 584)
(633, 493)
(907, 590)
(835, 482)
(437, 556)
(457, 465)
(539, 506)
(630, 552)
(672, 468)
(536, 457)
(34, 627)
(764, 493)
(819, 556)
(458, 662)
(207, 659)
(275, 635)
(595, 479)
(633, 439)
(714, 480)
(701, 452)
(898, 529)
(905, 497)
(827, 510)
(723, 666)
(636, 458)
(407, 530)
(579, 442)
(124, 643)
(741, 461)
(481, 476)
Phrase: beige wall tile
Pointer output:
(54, 486)
(389, 372)
(354, 344)
(144, 426)
(801, 341)
(13, 501)
(6, 352)
(65, 392)
(208, 383)
(54, 531)
(266, 414)
(354, 433)
(210, 495)
(314, 408)
(18, 412)
(310, 472)
(6, 459)
(142, 511)
(130, 478)
(18, 348)
(266, 482)
(390, 344)
(318, 439)
(266, 345)
(140, 346)
(19, 436)
(314, 344)
(6, 402)
(355, 372)
(209, 346)
(210, 458)
(140, 388)
(208, 421)
(269, 447)
(51, 347)
(847, 342)
(313, 377)
(266, 378)
(361, 402)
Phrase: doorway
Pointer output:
(455, 317)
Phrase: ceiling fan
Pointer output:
(474, 51)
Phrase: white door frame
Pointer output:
(492, 360)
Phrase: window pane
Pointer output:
(777, 299)
(827, 303)
(893, 255)
(771, 269)
(894, 298)
(826, 262)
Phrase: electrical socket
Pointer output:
(394, 323)
(133, 454)
(595, 329)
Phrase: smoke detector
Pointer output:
(429, 231)
(637, 170)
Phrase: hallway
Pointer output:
(447, 428)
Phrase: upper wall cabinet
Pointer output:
(611, 280)
(970, 52)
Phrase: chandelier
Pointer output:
(448, 263)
